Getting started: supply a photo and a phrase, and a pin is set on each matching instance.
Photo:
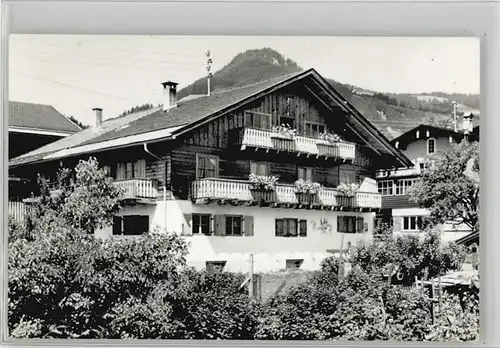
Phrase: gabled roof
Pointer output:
(39, 118)
(157, 125)
(410, 136)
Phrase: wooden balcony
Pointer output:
(138, 189)
(225, 191)
(306, 145)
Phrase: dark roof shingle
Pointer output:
(39, 117)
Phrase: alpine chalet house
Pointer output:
(418, 144)
(253, 170)
(32, 126)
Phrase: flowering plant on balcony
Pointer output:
(308, 187)
(262, 182)
(331, 138)
(348, 190)
(284, 131)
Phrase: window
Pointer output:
(314, 128)
(288, 121)
(412, 223)
(130, 225)
(422, 166)
(305, 173)
(347, 176)
(385, 187)
(206, 166)
(107, 170)
(131, 170)
(294, 264)
(350, 224)
(201, 223)
(259, 168)
(257, 120)
(403, 186)
(431, 146)
(233, 225)
(215, 266)
(290, 228)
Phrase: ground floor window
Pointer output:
(294, 264)
(130, 225)
(212, 266)
(201, 223)
(288, 227)
(350, 224)
(412, 223)
(234, 225)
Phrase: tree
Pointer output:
(84, 198)
(445, 189)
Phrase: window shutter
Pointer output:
(359, 224)
(248, 225)
(187, 229)
(212, 225)
(120, 171)
(397, 223)
(303, 228)
(220, 225)
(117, 225)
(278, 228)
(140, 169)
(340, 224)
(253, 167)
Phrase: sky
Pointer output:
(76, 73)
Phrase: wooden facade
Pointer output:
(171, 166)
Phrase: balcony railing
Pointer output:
(267, 139)
(239, 190)
(138, 188)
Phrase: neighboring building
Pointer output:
(417, 144)
(32, 126)
(186, 169)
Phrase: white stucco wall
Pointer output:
(449, 232)
(270, 252)
(418, 148)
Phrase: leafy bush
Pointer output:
(429, 253)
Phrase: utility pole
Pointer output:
(209, 69)
(454, 103)
(250, 277)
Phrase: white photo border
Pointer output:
(281, 18)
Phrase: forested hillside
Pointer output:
(391, 113)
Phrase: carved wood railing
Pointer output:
(138, 188)
(227, 189)
(267, 139)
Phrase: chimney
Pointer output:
(98, 116)
(169, 95)
(467, 123)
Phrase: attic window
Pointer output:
(418, 134)
(397, 144)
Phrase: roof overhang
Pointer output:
(133, 140)
(26, 130)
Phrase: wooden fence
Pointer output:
(17, 210)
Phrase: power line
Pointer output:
(68, 85)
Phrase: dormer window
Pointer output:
(431, 146)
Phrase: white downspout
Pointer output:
(164, 186)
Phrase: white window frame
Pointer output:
(209, 157)
(381, 187)
(411, 219)
(308, 173)
(400, 189)
(434, 146)
(258, 165)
